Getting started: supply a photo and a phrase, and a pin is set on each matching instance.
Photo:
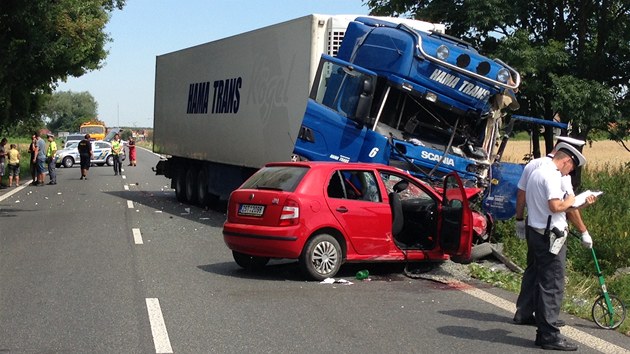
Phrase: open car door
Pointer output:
(455, 235)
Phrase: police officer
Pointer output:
(116, 151)
(51, 150)
(525, 304)
(547, 204)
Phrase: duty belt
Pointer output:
(542, 231)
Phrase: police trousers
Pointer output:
(549, 282)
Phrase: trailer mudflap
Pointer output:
(162, 168)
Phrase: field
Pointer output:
(598, 155)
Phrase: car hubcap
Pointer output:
(325, 257)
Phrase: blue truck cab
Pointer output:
(416, 99)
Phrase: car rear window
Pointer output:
(284, 178)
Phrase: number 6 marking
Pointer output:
(373, 152)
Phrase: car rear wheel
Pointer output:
(322, 257)
(68, 162)
(109, 160)
(249, 262)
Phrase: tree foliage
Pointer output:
(573, 55)
(45, 41)
(65, 111)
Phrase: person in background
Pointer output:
(85, 154)
(50, 159)
(117, 147)
(14, 165)
(32, 166)
(40, 159)
(3, 154)
(131, 145)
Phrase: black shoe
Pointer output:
(82, 177)
(560, 344)
(51, 182)
(530, 321)
(560, 323)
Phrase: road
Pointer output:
(117, 265)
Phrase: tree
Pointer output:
(573, 55)
(45, 41)
(65, 111)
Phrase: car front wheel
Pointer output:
(68, 162)
(249, 262)
(321, 257)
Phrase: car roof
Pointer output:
(332, 165)
(337, 165)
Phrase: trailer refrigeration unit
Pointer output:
(344, 88)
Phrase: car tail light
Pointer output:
(290, 213)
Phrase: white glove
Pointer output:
(520, 229)
(587, 241)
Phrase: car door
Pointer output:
(455, 235)
(356, 200)
(100, 151)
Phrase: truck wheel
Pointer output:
(68, 162)
(180, 186)
(321, 257)
(249, 262)
(191, 185)
(202, 187)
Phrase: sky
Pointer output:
(144, 29)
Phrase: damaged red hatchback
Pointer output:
(328, 213)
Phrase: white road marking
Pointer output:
(158, 328)
(567, 331)
(12, 191)
(137, 236)
(126, 187)
(124, 177)
(130, 204)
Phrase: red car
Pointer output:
(328, 213)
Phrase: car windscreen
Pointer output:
(283, 178)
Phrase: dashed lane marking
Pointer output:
(126, 187)
(137, 236)
(158, 327)
(130, 204)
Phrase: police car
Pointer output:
(102, 154)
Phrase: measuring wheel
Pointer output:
(608, 318)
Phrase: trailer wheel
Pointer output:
(191, 185)
(202, 187)
(180, 186)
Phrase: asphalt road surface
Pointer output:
(116, 265)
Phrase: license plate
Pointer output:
(251, 210)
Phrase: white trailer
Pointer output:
(225, 108)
